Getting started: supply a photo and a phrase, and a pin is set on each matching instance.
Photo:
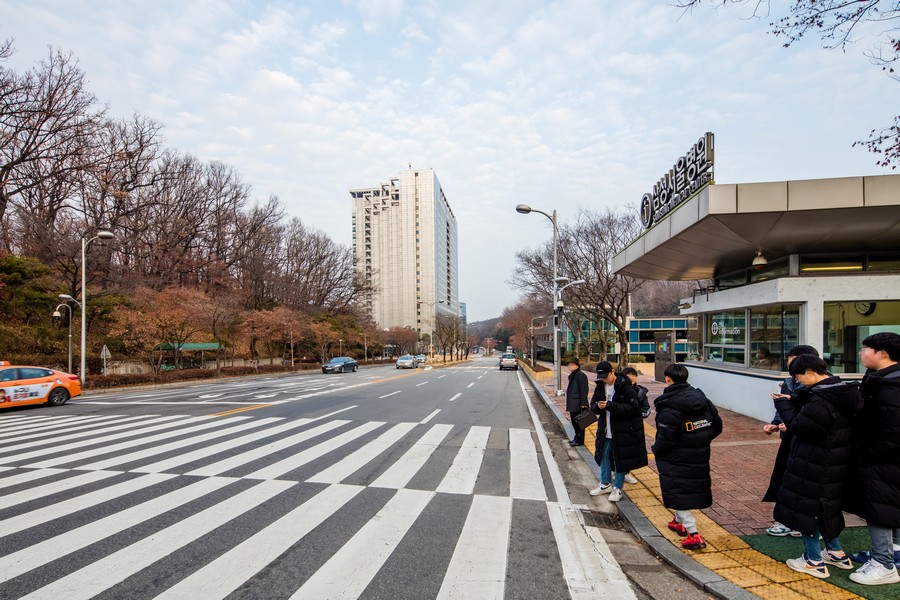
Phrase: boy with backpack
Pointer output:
(686, 424)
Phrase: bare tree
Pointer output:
(840, 23)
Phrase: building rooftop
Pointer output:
(720, 229)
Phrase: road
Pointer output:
(433, 483)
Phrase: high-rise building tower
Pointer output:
(404, 244)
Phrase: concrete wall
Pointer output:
(746, 393)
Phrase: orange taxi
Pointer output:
(35, 385)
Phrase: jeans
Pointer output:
(813, 551)
(883, 540)
(686, 518)
(603, 457)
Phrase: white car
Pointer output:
(508, 361)
(407, 361)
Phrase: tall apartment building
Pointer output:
(405, 244)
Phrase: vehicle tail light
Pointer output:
(74, 377)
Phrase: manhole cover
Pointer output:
(603, 520)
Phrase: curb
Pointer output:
(644, 530)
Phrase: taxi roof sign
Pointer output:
(4, 363)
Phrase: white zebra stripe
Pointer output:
(54, 488)
(228, 572)
(463, 473)
(346, 574)
(399, 474)
(364, 455)
(478, 566)
(525, 480)
(249, 456)
(34, 556)
(116, 567)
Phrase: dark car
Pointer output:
(340, 364)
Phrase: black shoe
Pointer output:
(574, 443)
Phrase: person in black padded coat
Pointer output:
(686, 424)
(820, 420)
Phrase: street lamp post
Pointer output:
(532, 338)
(525, 209)
(558, 308)
(58, 315)
(101, 235)
(419, 302)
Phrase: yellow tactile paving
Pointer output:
(717, 560)
(743, 576)
(728, 555)
(820, 590)
(778, 572)
(774, 591)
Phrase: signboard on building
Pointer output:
(689, 173)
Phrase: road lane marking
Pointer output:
(429, 417)
(232, 462)
(116, 567)
(146, 453)
(54, 487)
(362, 456)
(423, 383)
(402, 471)
(470, 385)
(70, 506)
(525, 480)
(387, 395)
(559, 486)
(350, 570)
(56, 547)
(27, 477)
(231, 570)
(455, 397)
(478, 566)
(239, 410)
(296, 461)
(463, 473)
(441, 376)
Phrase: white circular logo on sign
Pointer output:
(714, 328)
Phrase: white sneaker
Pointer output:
(874, 573)
(616, 495)
(629, 478)
(601, 489)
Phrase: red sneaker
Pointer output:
(694, 541)
(677, 527)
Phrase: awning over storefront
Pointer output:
(721, 228)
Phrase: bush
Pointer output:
(109, 381)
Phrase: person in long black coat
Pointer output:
(576, 399)
(686, 424)
(789, 387)
(875, 492)
(820, 419)
(620, 443)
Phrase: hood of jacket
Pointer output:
(682, 397)
(843, 395)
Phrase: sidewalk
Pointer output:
(742, 459)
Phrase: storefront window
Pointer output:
(726, 337)
(773, 331)
(847, 324)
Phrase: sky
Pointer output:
(567, 105)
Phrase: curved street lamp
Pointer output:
(58, 315)
(525, 209)
(101, 235)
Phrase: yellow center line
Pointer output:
(239, 410)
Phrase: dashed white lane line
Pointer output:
(391, 394)
(423, 383)
(441, 376)
(470, 385)
(429, 417)
(455, 397)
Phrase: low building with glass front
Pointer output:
(812, 262)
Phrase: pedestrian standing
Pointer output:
(686, 424)
(788, 387)
(620, 444)
(876, 489)
(576, 399)
(820, 421)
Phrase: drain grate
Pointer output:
(603, 520)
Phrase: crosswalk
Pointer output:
(327, 507)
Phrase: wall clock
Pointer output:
(865, 308)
